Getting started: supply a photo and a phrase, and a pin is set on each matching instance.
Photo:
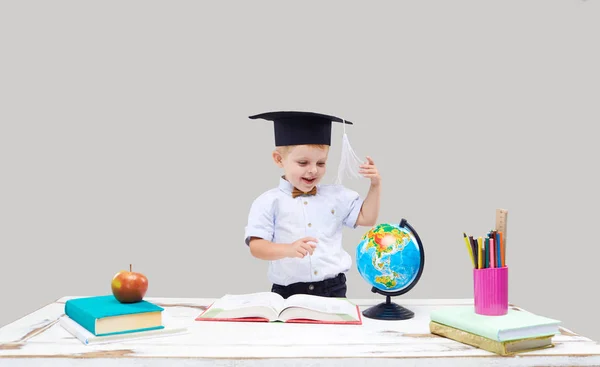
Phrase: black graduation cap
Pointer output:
(298, 128)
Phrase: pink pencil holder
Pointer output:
(491, 291)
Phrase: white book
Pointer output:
(88, 338)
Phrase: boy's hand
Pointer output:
(370, 171)
(302, 247)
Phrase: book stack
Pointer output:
(101, 319)
(515, 332)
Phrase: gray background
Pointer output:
(125, 139)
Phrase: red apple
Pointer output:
(128, 286)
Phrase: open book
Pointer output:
(271, 307)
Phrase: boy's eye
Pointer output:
(303, 163)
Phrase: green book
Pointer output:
(512, 326)
(105, 315)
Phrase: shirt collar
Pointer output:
(285, 186)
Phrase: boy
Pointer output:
(297, 226)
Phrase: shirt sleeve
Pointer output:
(261, 219)
(351, 202)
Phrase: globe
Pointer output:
(390, 259)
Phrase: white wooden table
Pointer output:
(38, 340)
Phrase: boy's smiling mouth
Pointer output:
(308, 181)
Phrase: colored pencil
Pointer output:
(487, 252)
(469, 249)
(492, 253)
(502, 249)
(479, 253)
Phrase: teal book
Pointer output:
(512, 326)
(105, 315)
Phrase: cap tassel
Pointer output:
(349, 161)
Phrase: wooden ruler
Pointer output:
(501, 221)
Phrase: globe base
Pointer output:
(388, 311)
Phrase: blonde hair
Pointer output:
(284, 150)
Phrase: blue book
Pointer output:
(105, 315)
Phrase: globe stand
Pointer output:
(389, 310)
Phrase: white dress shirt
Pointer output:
(278, 217)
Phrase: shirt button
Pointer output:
(310, 225)
(311, 287)
(306, 202)
(316, 272)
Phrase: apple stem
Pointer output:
(129, 267)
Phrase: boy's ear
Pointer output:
(278, 159)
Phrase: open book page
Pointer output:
(322, 304)
(261, 304)
(325, 308)
(264, 299)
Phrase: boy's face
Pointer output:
(303, 165)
